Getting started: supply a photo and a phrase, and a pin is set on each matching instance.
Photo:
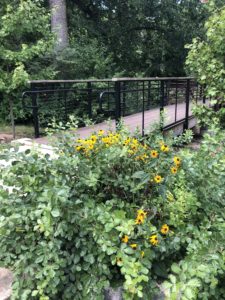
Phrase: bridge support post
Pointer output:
(187, 104)
(162, 104)
(35, 112)
(117, 102)
(89, 89)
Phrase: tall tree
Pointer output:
(25, 41)
(59, 23)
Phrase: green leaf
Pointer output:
(55, 212)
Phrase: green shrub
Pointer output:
(115, 210)
(66, 217)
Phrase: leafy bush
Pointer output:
(69, 216)
(205, 61)
(206, 57)
(200, 274)
(115, 210)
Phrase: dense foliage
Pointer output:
(115, 210)
(205, 61)
(25, 41)
(140, 37)
(106, 39)
(206, 57)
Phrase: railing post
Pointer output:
(35, 112)
(204, 95)
(117, 101)
(187, 104)
(162, 104)
(89, 87)
(124, 99)
(65, 101)
(149, 95)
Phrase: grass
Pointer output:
(22, 131)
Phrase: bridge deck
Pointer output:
(134, 121)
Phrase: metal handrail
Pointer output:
(129, 95)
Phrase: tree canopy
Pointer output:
(206, 56)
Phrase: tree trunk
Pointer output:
(59, 23)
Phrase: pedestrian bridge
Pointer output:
(138, 102)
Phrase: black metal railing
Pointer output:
(114, 98)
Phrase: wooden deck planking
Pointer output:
(134, 121)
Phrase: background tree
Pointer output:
(142, 37)
(25, 41)
(206, 56)
(59, 23)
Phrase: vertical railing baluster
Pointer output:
(35, 111)
(187, 104)
(149, 94)
(65, 101)
(162, 104)
(176, 91)
(204, 95)
(89, 88)
(124, 99)
(196, 95)
(143, 108)
(117, 101)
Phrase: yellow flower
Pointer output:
(93, 138)
(126, 142)
(131, 152)
(79, 141)
(133, 246)
(141, 213)
(125, 239)
(90, 147)
(144, 157)
(154, 239)
(139, 220)
(134, 147)
(158, 179)
(165, 229)
(142, 253)
(154, 154)
(145, 146)
(177, 160)
(173, 170)
(101, 132)
(164, 148)
(135, 142)
(78, 148)
(119, 260)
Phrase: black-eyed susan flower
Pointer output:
(142, 254)
(154, 239)
(173, 170)
(119, 260)
(125, 239)
(101, 132)
(78, 148)
(158, 179)
(177, 160)
(79, 141)
(93, 138)
(165, 229)
(133, 246)
(139, 220)
(154, 154)
(141, 213)
(164, 148)
(126, 142)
